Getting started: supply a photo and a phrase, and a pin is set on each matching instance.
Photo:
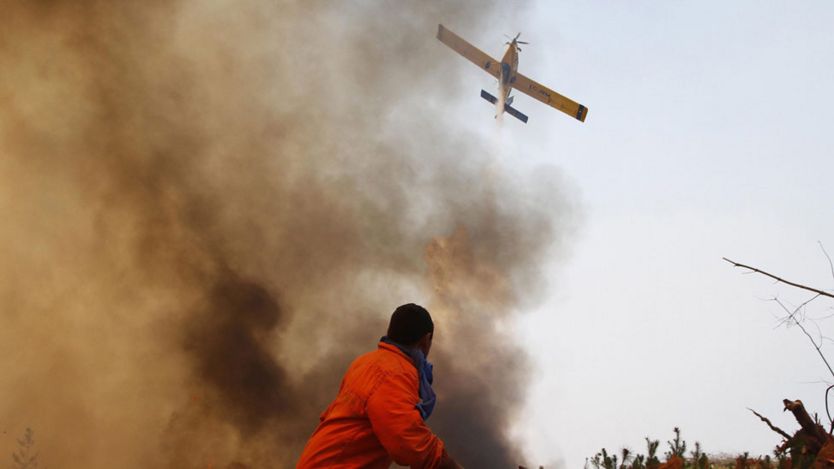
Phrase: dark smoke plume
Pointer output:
(210, 208)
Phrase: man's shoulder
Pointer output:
(386, 361)
(371, 370)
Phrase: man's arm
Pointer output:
(400, 428)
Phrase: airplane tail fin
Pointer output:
(509, 109)
(488, 97)
(514, 112)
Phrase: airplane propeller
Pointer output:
(515, 39)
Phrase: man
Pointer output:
(385, 397)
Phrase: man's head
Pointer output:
(411, 325)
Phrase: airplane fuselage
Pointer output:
(509, 67)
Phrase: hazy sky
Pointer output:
(709, 135)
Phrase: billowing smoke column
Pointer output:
(209, 209)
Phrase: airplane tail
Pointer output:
(515, 113)
(509, 109)
(489, 97)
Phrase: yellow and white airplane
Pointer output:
(506, 72)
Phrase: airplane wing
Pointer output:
(548, 96)
(459, 45)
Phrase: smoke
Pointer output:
(209, 209)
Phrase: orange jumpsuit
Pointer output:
(373, 419)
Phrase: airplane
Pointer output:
(506, 72)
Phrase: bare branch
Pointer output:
(805, 331)
(779, 279)
(772, 427)
(821, 318)
(792, 315)
(819, 332)
(830, 264)
(830, 420)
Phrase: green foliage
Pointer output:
(602, 460)
(699, 458)
(677, 447)
(651, 449)
(626, 458)
(25, 457)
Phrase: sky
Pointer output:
(708, 136)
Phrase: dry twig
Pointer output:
(818, 347)
(779, 279)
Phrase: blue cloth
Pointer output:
(424, 369)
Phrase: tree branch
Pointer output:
(792, 315)
(805, 331)
(830, 420)
(779, 279)
(830, 264)
(772, 427)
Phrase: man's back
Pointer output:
(374, 418)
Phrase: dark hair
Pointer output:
(409, 324)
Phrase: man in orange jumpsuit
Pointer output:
(380, 411)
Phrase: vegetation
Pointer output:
(676, 458)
